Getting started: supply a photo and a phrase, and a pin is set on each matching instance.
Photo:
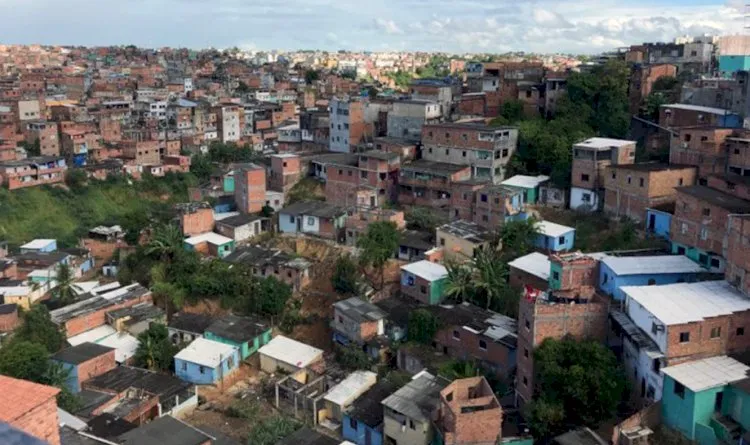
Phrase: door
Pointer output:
(737, 408)
(368, 436)
(651, 222)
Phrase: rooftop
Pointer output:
(416, 239)
(707, 373)
(82, 353)
(237, 329)
(261, 257)
(291, 351)
(313, 208)
(418, 398)
(355, 383)
(164, 431)
(367, 408)
(651, 167)
(124, 345)
(535, 263)
(38, 244)
(205, 352)
(717, 198)
(581, 436)
(115, 295)
(698, 108)
(94, 335)
(642, 265)
(684, 303)
(123, 377)
(382, 155)
(209, 237)
(189, 322)
(490, 325)
(526, 182)
(18, 397)
(436, 168)
(603, 143)
(548, 228)
(467, 230)
(425, 269)
(360, 310)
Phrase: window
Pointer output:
(679, 390)
(184, 366)
(423, 289)
(740, 332)
(704, 233)
(528, 325)
(656, 365)
(465, 137)
(449, 397)
(525, 352)
(482, 345)
(291, 219)
(654, 329)
(715, 262)
(684, 337)
(442, 241)
(584, 177)
(202, 369)
(349, 172)
(341, 172)
(463, 153)
(310, 221)
(411, 424)
(688, 137)
(586, 197)
(353, 423)
(684, 228)
(555, 275)
(641, 181)
(483, 197)
(363, 174)
(716, 332)
(706, 212)
(680, 181)
(561, 240)
(736, 151)
(614, 175)
(651, 282)
(429, 150)
(230, 362)
(456, 335)
(525, 381)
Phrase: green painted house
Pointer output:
(527, 185)
(245, 333)
(424, 281)
(708, 400)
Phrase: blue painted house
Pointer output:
(39, 246)
(205, 362)
(244, 333)
(708, 400)
(554, 237)
(83, 362)
(659, 219)
(616, 272)
(314, 218)
(363, 422)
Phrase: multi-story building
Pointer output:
(285, 171)
(469, 413)
(348, 127)
(408, 412)
(570, 308)
(590, 161)
(408, 117)
(487, 149)
(631, 189)
(428, 183)
(494, 205)
(46, 134)
(375, 171)
(357, 321)
(684, 115)
(250, 188)
(642, 78)
(700, 223)
(435, 90)
(141, 152)
(33, 171)
(737, 270)
(701, 146)
(228, 123)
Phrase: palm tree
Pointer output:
(65, 279)
(460, 281)
(490, 273)
(165, 243)
(169, 294)
(147, 352)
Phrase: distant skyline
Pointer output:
(544, 26)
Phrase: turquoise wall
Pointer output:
(554, 284)
(246, 349)
(732, 64)
(693, 414)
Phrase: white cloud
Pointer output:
(389, 26)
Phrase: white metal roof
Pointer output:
(123, 343)
(291, 351)
(426, 269)
(208, 237)
(37, 244)
(707, 373)
(640, 265)
(688, 302)
(43, 273)
(535, 263)
(354, 385)
(604, 143)
(710, 110)
(225, 215)
(548, 228)
(523, 181)
(92, 335)
(205, 352)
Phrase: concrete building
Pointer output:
(288, 355)
(195, 218)
(631, 189)
(247, 334)
(33, 171)
(243, 227)
(424, 281)
(460, 239)
(701, 146)
(83, 362)
(642, 78)
(408, 412)
(428, 183)
(554, 237)
(285, 171)
(249, 188)
(494, 205)
(369, 180)
(228, 123)
(210, 244)
(591, 158)
(294, 271)
(363, 421)
(616, 272)
(683, 115)
(469, 413)
(486, 149)
(341, 396)
(738, 261)
(409, 116)
(46, 134)
(531, 271)
(314, 218)
(530, 186)
(348, 127)
(205, 362)
(358, 321)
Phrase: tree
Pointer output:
(170, 295)
(423, 326)
(273, 295)
(378, 245)
(665, 83)
(352, 357)
(580, 379)
(65, 279)
(459, 369)
(372, 92)
(423, 218)
(155, 350)
(518, 237)
(201, 167)
(512, 111)
(24, 360)
(345, 277)
(460, 281)
(38, 328)
(165, 243)
(76, 178)
(311, 76)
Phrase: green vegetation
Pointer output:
(270, 431)
(346, 276)
(577, 383)
(307, 189)
(666, 89)
(438, 66)
(219, 153)
(311, 76)
(378, 245)
(352, 358)
(423, 218)
(402, 79)
(423, 326)
(67, 215)
(155, 350)
(38, 328)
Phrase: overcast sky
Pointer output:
(577, 26)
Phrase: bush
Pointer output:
(346, 276)
(272, 430)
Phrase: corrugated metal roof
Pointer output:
(642, 265)
(548, 228)
(707, 373)
(535, 263)
(425, 269)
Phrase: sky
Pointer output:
(456, 26)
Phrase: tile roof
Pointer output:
(18, 397)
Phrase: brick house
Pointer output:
(738, 153)
(141, 152)
(424, 281)
(374, 170)
(195, 218)
(33, 171)
(737, 259)
(494, 205)
(359, 219)
(530, 270)
(85, 361)
(642, 78)
(486, 149)
(463, 197)
(285, 172)
(348, 126)
(46, 134)
(700, 222)
(573, 279)
(684, 115)
(271, 262)
(315, 218)
(356, 321)
(590, 161)
(631, 189)
(701, 146)
(31, 408)
(460, 239)
(9, 320)
(250, 188)
(427, 183)
(469, 413)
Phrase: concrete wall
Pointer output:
(578, 201)
(191, 372)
